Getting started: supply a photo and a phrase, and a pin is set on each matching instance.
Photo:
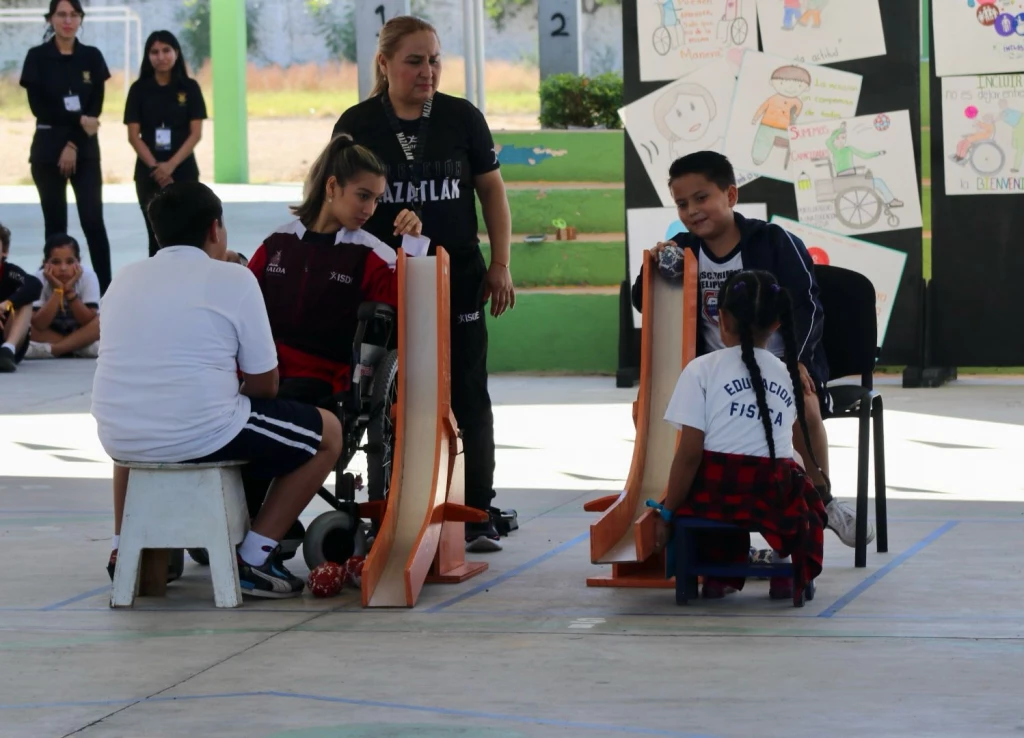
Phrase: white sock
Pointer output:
(114, 540)
(778, 558)
(255, 548)
(10, 347)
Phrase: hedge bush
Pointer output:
(575, 100)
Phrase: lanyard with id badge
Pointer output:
(412, 245)
(72, 103)
(163, 138)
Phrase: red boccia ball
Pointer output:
(354, 571)
(327, 579)
(818, 256)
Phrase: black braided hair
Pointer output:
(792, 355)
(743, 298)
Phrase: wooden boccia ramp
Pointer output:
(624, 535)
(422, 533)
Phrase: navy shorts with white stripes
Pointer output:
(279, 437)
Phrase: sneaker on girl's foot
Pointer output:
(270, 579)
(7, 362)
(714, 589)
(482, 537)
(38, 350)
(843, 521)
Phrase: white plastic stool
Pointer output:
(182, 506)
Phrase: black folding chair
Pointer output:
(851, 347)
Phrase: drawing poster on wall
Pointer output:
(821, 31)
(884, 267)
(680, 118)
(678, 36)
(645, 227)
(983, 134)
(773, 94)
(978, 36)
(858, 175)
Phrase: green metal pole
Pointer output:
(230, 131)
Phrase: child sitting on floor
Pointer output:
(18, 291)
(66, 319)
(735, 463)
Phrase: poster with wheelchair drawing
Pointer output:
(884, 267)
(858, 175)
(821, 31)
(983, 134)
(680, 118)
(977, 36)
(774, 94)
(678, 36)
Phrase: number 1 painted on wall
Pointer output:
(379, 10)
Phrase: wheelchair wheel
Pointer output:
(380, 433)
(987, 158)
(662, 40)
(334, 536)
(858, 207)
(738, 31)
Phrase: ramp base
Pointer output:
(649, 574)
(460, 573)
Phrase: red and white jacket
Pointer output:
(313, 289)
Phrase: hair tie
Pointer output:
(775, 288)
(740, 286)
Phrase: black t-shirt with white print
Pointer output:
(459, 147)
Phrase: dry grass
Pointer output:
(322, 90)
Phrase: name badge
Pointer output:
(163, 139)
(72, 104)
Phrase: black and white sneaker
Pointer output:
(271, 579)
(7, 362)
(482, 537)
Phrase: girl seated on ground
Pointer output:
(735, 462)
(66, 318)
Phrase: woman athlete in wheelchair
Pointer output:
(331, 292)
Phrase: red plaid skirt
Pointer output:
(776, 500)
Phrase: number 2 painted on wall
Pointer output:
(560, 31)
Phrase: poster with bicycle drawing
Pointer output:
(858, 175)
(978, 36)
(983, 134)
(884, 267)
(821, 31)
(678, 36)
(774, 93)
(680, 118)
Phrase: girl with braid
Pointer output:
(735, 462)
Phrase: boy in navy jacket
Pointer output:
(703, 186)
(18, 290)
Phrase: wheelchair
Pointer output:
(853, 195)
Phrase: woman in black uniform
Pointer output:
(65, 81)
(164, 114)
(440, 157)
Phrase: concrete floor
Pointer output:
(927, 641)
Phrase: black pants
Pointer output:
(310, 391)
(145, 189)
(87, 182)
(471, 402)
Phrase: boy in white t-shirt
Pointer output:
(735, 463)
(177, 328)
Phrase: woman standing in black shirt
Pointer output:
(65, 81)
(440, 156)
(164, 114)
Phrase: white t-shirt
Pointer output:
(715, 394)
(175, 327)
(713, 273)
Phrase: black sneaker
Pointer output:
(482, 537)
(271, 579)
(7, 363)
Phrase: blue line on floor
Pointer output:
(76, 598)
(367, 703)
(857, 591)
(509, 574)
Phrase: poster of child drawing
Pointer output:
(977, 36)
(684, 116)
(884, 267)
(857, 176)
(773, 94)
(983, 134)
(821, 31)
(678, 36)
